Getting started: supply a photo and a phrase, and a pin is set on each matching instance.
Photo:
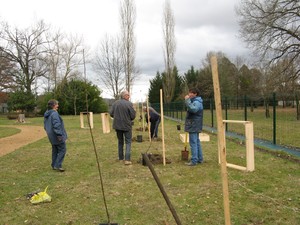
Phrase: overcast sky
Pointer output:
(200, 26)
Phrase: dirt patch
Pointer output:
(27, 135)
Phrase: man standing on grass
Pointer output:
(55, 129)
(193, 124)
(123, 113)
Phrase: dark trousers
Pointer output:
(154, 128)
(58, 155)
(127, 135)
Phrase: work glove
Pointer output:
(60, 138)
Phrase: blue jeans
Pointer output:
(196, 149)
(128, 136)
(58, 155)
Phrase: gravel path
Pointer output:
(27, 135)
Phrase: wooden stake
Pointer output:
(105, 123)
(162, 126)
(138, 113)
(148, 124)
(143, 117)
(221, 138)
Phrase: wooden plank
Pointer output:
(185, 137)
(162, 126)
(236, 167)
(81, 120)
(221, 138)
(148, 124)
(89, 116)
(249, 146)
(235, 121)
(105, 123)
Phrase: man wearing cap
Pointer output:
(55, 129)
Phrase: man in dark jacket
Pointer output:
(154, 121)
(193, 124)
(55, 129)
(123, 113)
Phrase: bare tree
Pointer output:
(71, 55)
(271, 29)
(283, 84)
(109, 66)
(25, 49)
(53, 59)
(65, 55)
(169, 52)
(7, 69)
(128, 16)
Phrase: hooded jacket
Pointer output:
(194, 115)
(54, 127)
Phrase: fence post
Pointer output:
(245, 108)
(274, 118)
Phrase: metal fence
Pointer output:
(275, 118)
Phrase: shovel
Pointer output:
(185, 153)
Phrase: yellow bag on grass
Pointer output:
(40, 197)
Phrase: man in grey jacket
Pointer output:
(123, 113)
(55, 129)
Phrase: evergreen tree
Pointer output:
(205, 83)
(227, 79)
(245, 80)
(179, 84)
(191, 77)
(21, 100)
(154, 90)
(77, 96)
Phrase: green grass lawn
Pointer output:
(8, 131)
(269, 195)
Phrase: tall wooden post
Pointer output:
(162, 127)
(143, 117)
(148, 121)
(221, 138)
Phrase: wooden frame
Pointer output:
(202, 137)
(249, 138)
(90, 116)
